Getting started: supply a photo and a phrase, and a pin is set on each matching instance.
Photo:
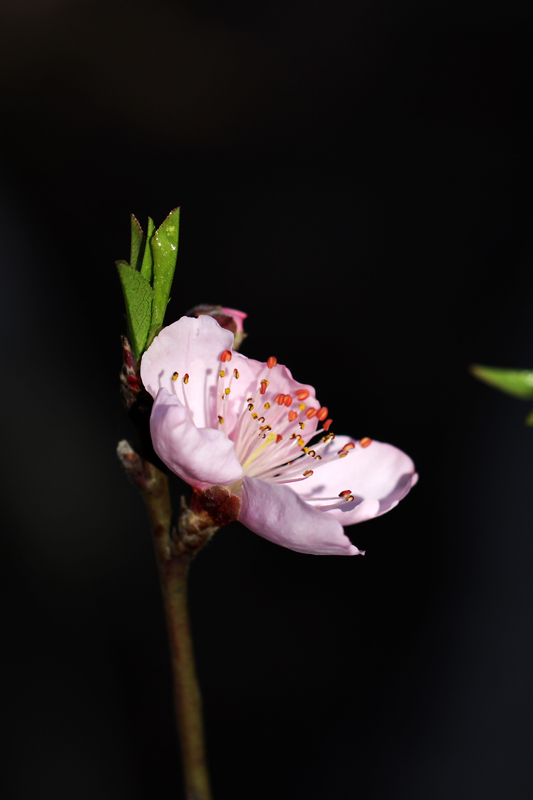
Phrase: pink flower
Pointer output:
(221, 419)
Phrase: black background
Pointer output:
(357, 177)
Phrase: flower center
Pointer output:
(274, 431)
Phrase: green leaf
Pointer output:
(517, 382)
(137, 243)
(141, 255)
(164, 247)
(138, 297)
(147, 266)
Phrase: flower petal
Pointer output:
(200, 456)
(193, 347)
(276, 513)
(378, 476)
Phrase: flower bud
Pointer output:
(228, 318)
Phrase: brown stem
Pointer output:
(187, 698)
(175, 551)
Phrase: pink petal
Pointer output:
(200, 456)
(189, 346)
(378, 476)
(275, 512)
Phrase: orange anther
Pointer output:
(280, 399)
(226, 355)
(347, 446)
(310, 413)
(308, 473)
(346, 493)
(365, 442)
(326, 424)
(279, 437)
(272, 361)
(292, 415)
(302, 394)
(264, 384)
(287, 400)
(322, 414)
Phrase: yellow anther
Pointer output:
(222, 373)
(175, 376)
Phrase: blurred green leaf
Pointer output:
(164, 247)
(138, 297)
(517, 382)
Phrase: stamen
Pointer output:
(186, 378)
(347, 446)
(301, 407)
(226, 356)
(292, 415)
(279, 437)
(264, 384)
(175, 376)
(302, 394)
(301, 425)
(345, 493)
(222, 373)
(280, 399)
(267, 405)
(322, 414)
(327, 424)
(236, 373)
(308, 473)
(310, 413)
(220, 420)
(287, 400)
(365, 441)
(227, 390)
(272, 361)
